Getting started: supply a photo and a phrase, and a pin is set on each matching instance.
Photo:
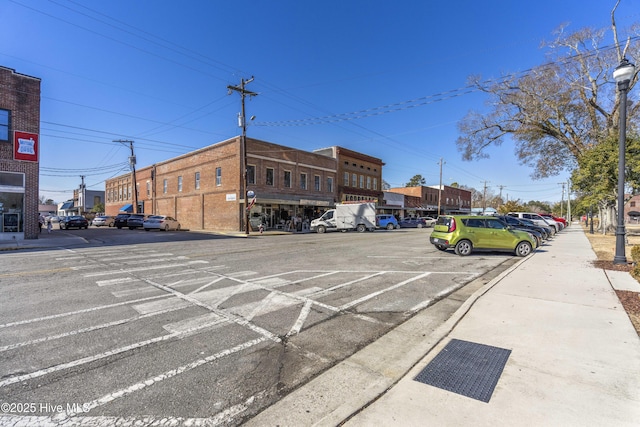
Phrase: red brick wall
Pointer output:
(20, 95)
(208, 207)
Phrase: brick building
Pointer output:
(359, 175)
(424, 200)
(202, 189)
(19, 161)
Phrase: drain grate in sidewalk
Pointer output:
(466, 368)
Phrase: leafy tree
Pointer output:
(416, 181)
(511, 206)
(98, 208)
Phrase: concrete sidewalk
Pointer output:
(573, 356)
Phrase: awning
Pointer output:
(66, 206)
(127, 208)
(633, 213)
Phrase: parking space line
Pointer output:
(382, 291)
(86, 310)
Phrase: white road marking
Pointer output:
(96, 357)
(134, 270)
(86, 310)
(380, 292)
(161, 377)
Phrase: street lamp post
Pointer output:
(622, 75)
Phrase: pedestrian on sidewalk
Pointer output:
(40, 222)
(49, 226)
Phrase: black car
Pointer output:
(74, 221)
(526, 225)
(136, 221)
(121, 220)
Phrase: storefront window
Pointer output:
(11, 202)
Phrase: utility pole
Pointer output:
(440, 187)
(500, 187)
(484, 198)
(562, 198)
(569, 201)
(82, 195)
(132, 164)
(243, 147)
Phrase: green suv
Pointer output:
(467, 233)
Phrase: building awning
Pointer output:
(127, 208)
(633, 213)
(66, 206)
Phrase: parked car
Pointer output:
(387, 221)
(103, 221)
(516, 224)
(466, 233)
(545, 232)
(75, 221)
(430, 221)
(136, 221)
(551, 219)
(121, 220)
(412, 223)
(536, 218)
(160, 222)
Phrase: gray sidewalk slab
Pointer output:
(575, 357)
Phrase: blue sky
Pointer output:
(156, 72)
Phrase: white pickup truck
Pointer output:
(345, 217)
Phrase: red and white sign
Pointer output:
(25, 146)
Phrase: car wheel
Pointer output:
(389, 226)
(464, 248)
(361, 228)
(321, 229)
(146, 229)
(419, 226)
(178, 227)
(110, 225)
(166, 227)
(523, 249)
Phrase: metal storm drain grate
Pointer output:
(466, 368)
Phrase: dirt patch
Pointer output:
(604, 247)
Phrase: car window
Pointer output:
(495, 224)
(474, 223)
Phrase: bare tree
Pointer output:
(554, 112)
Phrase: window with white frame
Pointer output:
(316, 182)
(368, 183)
(179, 184)
(218, 176)
(197, 180)
(354, 180)
(165, 184)
(287, 179)
(303, 181)
(346, 178)
(148, 189)
(361, 181)
(330, 184)
(269, 176)
(375, 183)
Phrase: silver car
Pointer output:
(160, 222)
(103, 220)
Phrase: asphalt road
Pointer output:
(184, 327)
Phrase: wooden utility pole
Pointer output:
(243, 148)
(440, 187)
(132, 164)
